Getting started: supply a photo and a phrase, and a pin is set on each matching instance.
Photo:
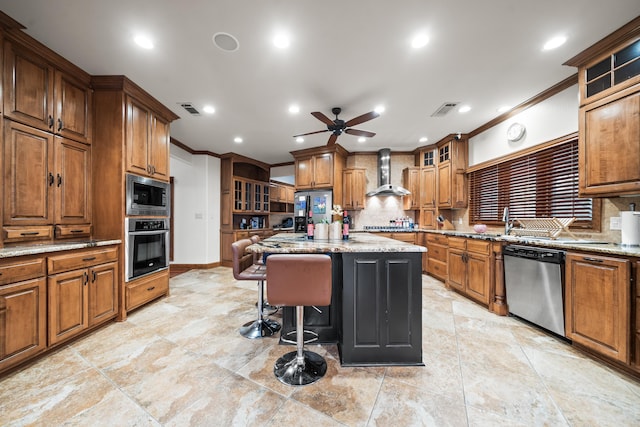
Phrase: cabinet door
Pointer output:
(159, 148)
(72, 182)
(137, 138)
(478, 277)
(28, 84)
(428, 188)
(103, 293)
(347, 189)
(304, 173)
(444, 185)
(28, 168)
(457, 269)
(73, 101)
(67, 294)
(411, 180)
(358, 189)
(323, 171)
(597, 304)
(428, 219)
(23, 321)
(609, 148)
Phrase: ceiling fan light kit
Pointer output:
(338, 126)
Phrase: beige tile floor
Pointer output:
(180, 361)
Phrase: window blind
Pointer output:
(543, 184)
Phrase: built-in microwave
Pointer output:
(147, 197)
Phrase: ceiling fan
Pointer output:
(338, 126)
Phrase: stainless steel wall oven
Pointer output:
(146, 246)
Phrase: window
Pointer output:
(542, 184)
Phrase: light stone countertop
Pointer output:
(585, 245)
(15, 251)
(358, 242)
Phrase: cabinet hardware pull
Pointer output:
(91, 258)
(85, 278)
(29, 233)
(76, 231)
(50, 179)
(59, 180)
(93, 273)
(50, 122)
(592, 259)
(59, 124)
(151, 288)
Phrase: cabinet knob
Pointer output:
(59, 124)
(50, 122)
(59, 180)
(51, 179)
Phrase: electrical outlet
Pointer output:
(199, 215)
(460, 221)
(614, 223)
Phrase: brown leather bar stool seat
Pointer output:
(245, 269)
(299, 280)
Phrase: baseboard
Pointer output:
(175, 269)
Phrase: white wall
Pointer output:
(196, 207)
(284, 174)
(548, 120)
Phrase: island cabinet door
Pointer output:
(381, 309)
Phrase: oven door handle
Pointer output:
(147, 233)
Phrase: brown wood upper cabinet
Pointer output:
(609, 117)
(354, 187)
(314, 172)
(40, 95)
(411, 181)
(147, 141)
(597, 303)
(47, 181)
(452, 178)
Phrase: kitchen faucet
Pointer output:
(508, 225)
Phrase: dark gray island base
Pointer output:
(376, 311)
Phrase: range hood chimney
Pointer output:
(384, 177)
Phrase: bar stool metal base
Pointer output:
(259, 328)
(289, 372)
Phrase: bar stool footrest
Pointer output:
(309, 337)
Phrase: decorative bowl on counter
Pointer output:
(480, 228)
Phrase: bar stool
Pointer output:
(299, 280)
(245, 269)
(258, 259)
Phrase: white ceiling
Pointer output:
(351, 54)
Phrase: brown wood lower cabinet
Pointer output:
(437, 256)
(470, 268)
(82, 291)
(597, 304)
(145, 289)
(23, 321)
(228, 237)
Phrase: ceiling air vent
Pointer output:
(190, 108)
(444, 109)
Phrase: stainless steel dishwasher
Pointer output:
(534, 283)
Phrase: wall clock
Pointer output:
(515, 132)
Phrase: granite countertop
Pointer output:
(44, 248)
(358, 242)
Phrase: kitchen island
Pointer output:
(376, 311)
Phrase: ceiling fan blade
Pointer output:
(311, 133)
(332, 139)
(361, 119)
(324, 119)
(360, 133)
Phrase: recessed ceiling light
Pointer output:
(294, 109)
(143, 41)
(237, 140)
(281, 41)
(226, 42)
(208, 109)
(554, 43)
(504, 108)
(464, 109)
(419, 41)
(299, 139)
(423, 139)
(379, 109)
(362, 139)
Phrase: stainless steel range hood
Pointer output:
(384, 177)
